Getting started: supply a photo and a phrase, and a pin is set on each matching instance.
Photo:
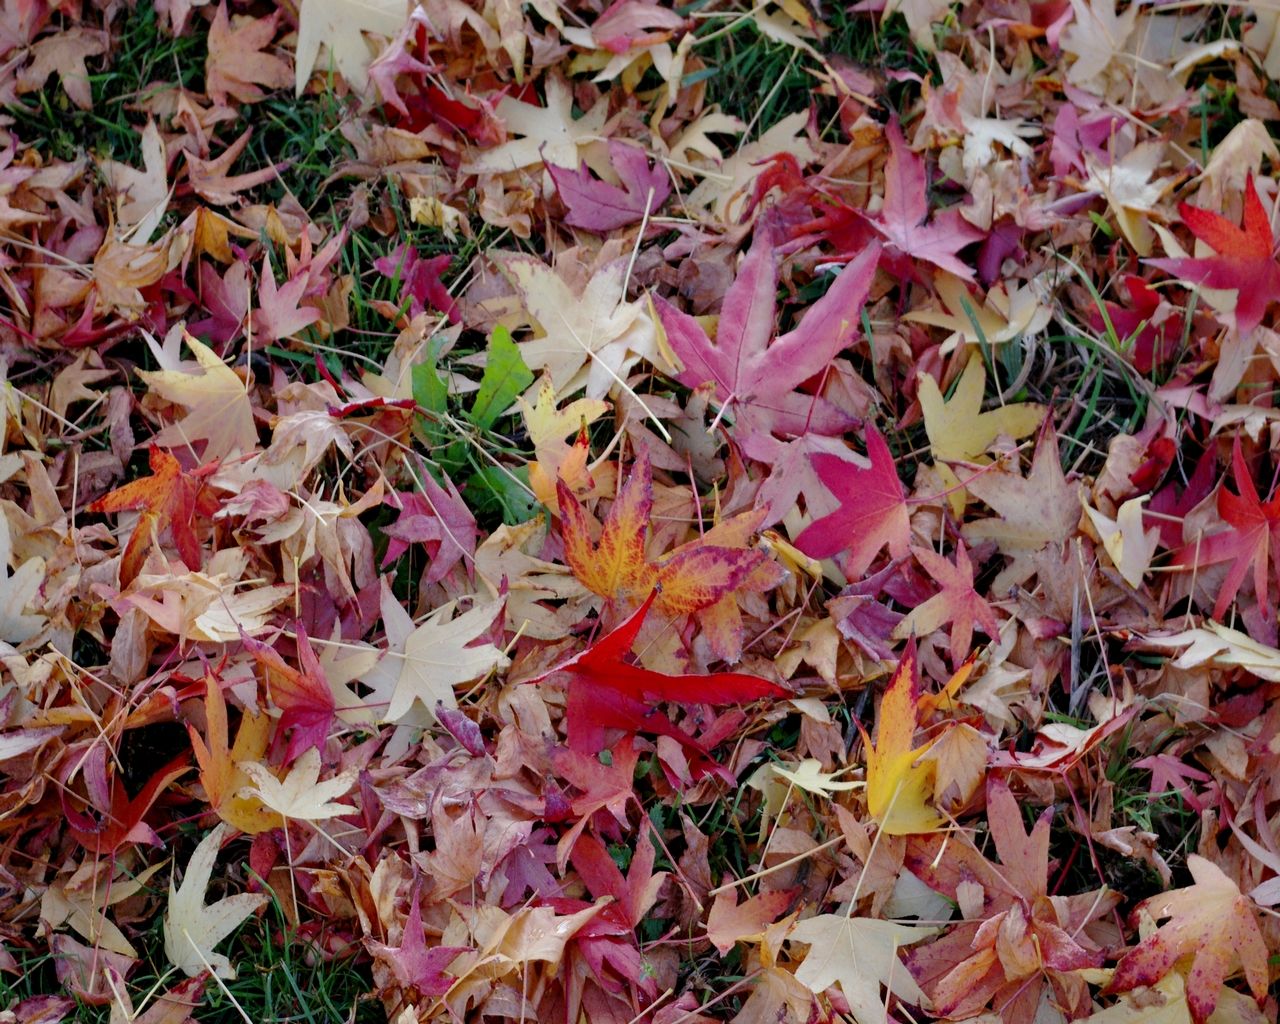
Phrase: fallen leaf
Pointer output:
(1209, 921)
(872, 512)
(340, 26)
(440, 654)
(898, 788)
(300, 795)
(861, 956)
(731, 922)
(1244, 260)
(601, 206)
(218, 409)
(191, 928)
(236, 65)
(171, 498)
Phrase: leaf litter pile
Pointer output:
(583, 513)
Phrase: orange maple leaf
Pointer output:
(219, 762)
(697, 578)
(170, 497)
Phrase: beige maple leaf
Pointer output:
(81, 902)
(809, 776)
(435, 657)
(192, 929)
(65, 53)
(726, 191)
(340, 26)
(1095, 37)
(694, 140)
(1220, 645)
(1034, 511)
(218, 408)
(300, 795)
(1009, 311)
(141, 195)
(71, 385)
(17, 592)
(590, 339)
(505, 558)
(958, 429)
(860, 955)
(236, 65)
(205, 607)
(550, 134)
(1129, 546)
(298, 442)
(920, 16)
(121, 269)
(1127, 186)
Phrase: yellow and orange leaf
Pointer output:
(220, 773)
(899, 789)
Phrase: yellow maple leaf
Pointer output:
(958, 429)
(554, 458)
(898, 789)
(698, 578)
(218, 408)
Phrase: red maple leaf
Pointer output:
(1155, 335)
(1244, 260)
(170, 497)
(872, 512)
(606, 691)
(634, 894)
(123, 822)
(1249, 545)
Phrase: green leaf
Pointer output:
(497, 491)
(429, 391)
(432, 395)
(505, 377)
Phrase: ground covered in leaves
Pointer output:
(572, 512)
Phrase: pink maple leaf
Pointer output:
(226, 299)
(601, 206)
(956, 602)
(751, 372)
(437, 518)
(413, 962)
(278, 314)
(906, 208)
(1168, 772)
